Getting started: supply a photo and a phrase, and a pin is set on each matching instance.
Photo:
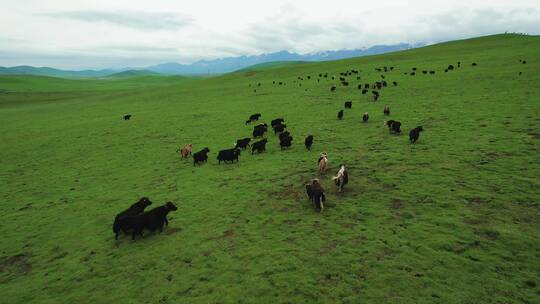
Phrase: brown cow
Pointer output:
(185, 151)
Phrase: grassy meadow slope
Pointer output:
(452, 219)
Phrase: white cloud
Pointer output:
(100, 33)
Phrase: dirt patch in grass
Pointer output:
(348, 225)
(460, 248)
(535, 135)
(397, 204)
(27, 206)
(14, 266)
(172, 230)
(228, 233)
(495, 154)
(287, 192)
(477, 200)
(329, 247)
(473, 221)
(59, 256)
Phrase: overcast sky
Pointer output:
(95, 34)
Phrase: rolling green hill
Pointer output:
(452, 219)
(132, 73)
(271, 65)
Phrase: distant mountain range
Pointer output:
(216, 66)
(52, 72)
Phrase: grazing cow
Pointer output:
(277, 121)
(474, 64)
(259, 146)
(341, 78)
(127, 117)
(365, 117)
(414, 69)
(201, 156)
(123, 221)
(394, 83)
(364, 91)
(308, 142)
(279, 128)
(348, 104)
(228, 155)
(424, 72)
(384, 83)
(524, 62)
(366, 86)
(459, 64)
(412, 73)
(341, 178)
(345, 83)
(432, 72)
(315, 193)
(243, 143)
(323, 162)
(386, 110)
(340, 114)
(333, 89)
(450, 67)
(394, 126)
(185, 151)
(285, 141)
(415, 133)
(152, 220)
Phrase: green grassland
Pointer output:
(452, 219)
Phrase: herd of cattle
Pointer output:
(135, 220)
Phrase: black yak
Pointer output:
(201, 156)
(123, 220)
(308, 142)
(415, 133)
(259, 146)
(152, 220)
(228, 155)
(243, 143)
